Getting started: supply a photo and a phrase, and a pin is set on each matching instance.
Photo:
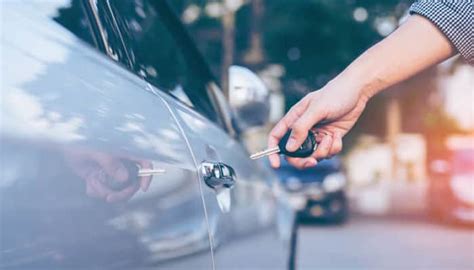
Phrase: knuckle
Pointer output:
(334, 151)
(298, 128)
(323, 148)
(298, 165)
(337, 147)
(322, 152)
(310, 95)
(292, 162)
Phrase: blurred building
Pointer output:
(371, 169)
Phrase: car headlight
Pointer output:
(463, 187)
(315, 192)
(334, 182)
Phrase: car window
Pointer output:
(91, 22)
(145, 46)
(158, 58)
(74, 18)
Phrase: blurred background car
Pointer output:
(318, 193)
(451, 185)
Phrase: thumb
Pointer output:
(301, 127)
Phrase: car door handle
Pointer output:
(218, 175)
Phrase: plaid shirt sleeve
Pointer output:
(455, 18)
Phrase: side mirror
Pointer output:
(248, 98)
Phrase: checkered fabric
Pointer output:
(455, 18)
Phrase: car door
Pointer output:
(72, 119)
(249, 222)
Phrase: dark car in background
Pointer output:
(94, 93)
(317, 193)
(451, 183)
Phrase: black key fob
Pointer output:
(306, 149)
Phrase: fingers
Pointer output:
(282, 127)
(300, 128)
(328, 145)
(98, 170)
(124, 194)
(302, 163)
(336, 145)
(324, 144)
(96, 188)
(112, 166)
(273, 158)
(323, 148)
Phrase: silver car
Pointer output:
(119, 150)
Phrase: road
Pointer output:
(386, 242)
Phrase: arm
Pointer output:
(414, 46)
(334, 109)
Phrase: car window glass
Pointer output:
(73, 17)
(157, 57)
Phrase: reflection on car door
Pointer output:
(69, 115)
(151, 35)
(254, 232)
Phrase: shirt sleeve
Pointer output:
(455, 19)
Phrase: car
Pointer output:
(119, 150)
(451, 185)
(317, 193)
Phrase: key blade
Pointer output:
(150, 172)
(266, 152)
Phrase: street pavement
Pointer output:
(396, 241)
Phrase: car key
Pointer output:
(134, 172)
(306, 149)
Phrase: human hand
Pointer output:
(101, 171)
(330, 112)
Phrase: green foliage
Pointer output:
(313, 39)
(325, 33)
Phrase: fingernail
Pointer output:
(291, 144)
(272, 161)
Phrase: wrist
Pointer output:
(351, 85)
(367, 75)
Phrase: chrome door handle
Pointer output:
(218, 175)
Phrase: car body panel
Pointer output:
(256, 230)
(60, 98)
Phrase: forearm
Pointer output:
(414, 46)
